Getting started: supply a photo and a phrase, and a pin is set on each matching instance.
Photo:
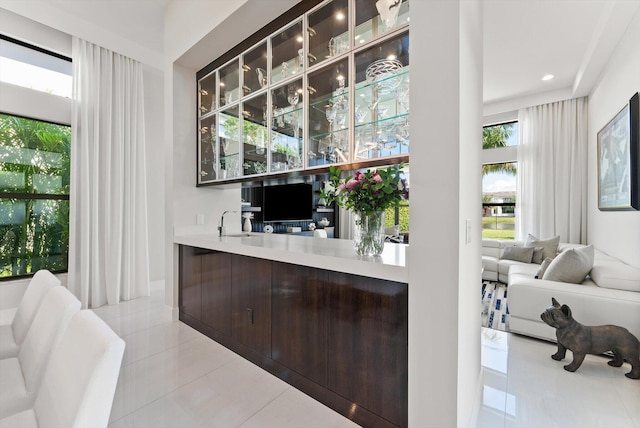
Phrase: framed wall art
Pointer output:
(619, 160)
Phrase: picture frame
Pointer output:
(619, 160)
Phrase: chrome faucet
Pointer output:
(221, 229)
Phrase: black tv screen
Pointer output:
(288, 202)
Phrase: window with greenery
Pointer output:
(499, 183)
(499, 136)
(399, 215)
(34, 196)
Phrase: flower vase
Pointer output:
(368, 233)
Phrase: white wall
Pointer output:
(444, 272)
(46, 12)
(614, 232)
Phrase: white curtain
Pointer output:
(108, 253)
(552, 171)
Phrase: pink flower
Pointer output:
(351, 184)
(341, 187)
(359, 176)
(377, 177)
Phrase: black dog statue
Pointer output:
(582, 340)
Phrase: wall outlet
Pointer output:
(199, 218)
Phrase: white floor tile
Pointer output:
(147, 380)
(158, 338)
(293, 409)
(540, 393)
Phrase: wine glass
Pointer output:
(293, 96)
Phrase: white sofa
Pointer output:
(610, 294)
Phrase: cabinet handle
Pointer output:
(250, 313)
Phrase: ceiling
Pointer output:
(523, 40)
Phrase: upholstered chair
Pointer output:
(80, 379)
(12, 336)
(21, 376)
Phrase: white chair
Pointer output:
(12, 336)
(20, 376)
(80, 380)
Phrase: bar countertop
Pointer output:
(331, 254)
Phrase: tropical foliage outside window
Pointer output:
(499, 184)
(34, 196)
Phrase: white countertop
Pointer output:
(330, 254)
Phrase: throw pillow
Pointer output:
(571, 265)
(550, 245)
(538, 252)
(519, 254)
(543, 267)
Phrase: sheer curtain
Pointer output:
(108, 253)
(552, 171)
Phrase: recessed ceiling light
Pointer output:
(300, 39)
(548, 77)
(392, 57)
(339, 16)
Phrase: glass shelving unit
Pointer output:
(329, 87)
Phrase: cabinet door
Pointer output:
(300, 320)
(367, 349)
(216, 291)
(189, 296)
(251, 302)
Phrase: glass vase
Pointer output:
(368, 233)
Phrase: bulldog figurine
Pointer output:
(583, 340)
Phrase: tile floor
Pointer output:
(524, 387)
(173, 376)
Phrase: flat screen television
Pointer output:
(288, 202)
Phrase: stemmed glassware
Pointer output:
(293, 97)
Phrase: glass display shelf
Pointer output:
(254, 121)
(254, 69)
(377, 18)
(207, 95)
(229, 83)
(287, 53)
(328, 29)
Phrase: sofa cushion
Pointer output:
(543, 267)
(616, 275)
(519, 254)
(550, 245)
(490, 263)
(538, 253)
(572, 265)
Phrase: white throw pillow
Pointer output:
(572, 265)
(538, 254)
(543, 267)
(550, 245)
(519, 254)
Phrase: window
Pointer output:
(34, 196)
(499, 180)
(34, 68)
(500, 136)
(399, 215)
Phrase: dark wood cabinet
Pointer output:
(251, 302)
(368, 344)
(216, 291)
(190, 274)
(300, 320)
(340, 338)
